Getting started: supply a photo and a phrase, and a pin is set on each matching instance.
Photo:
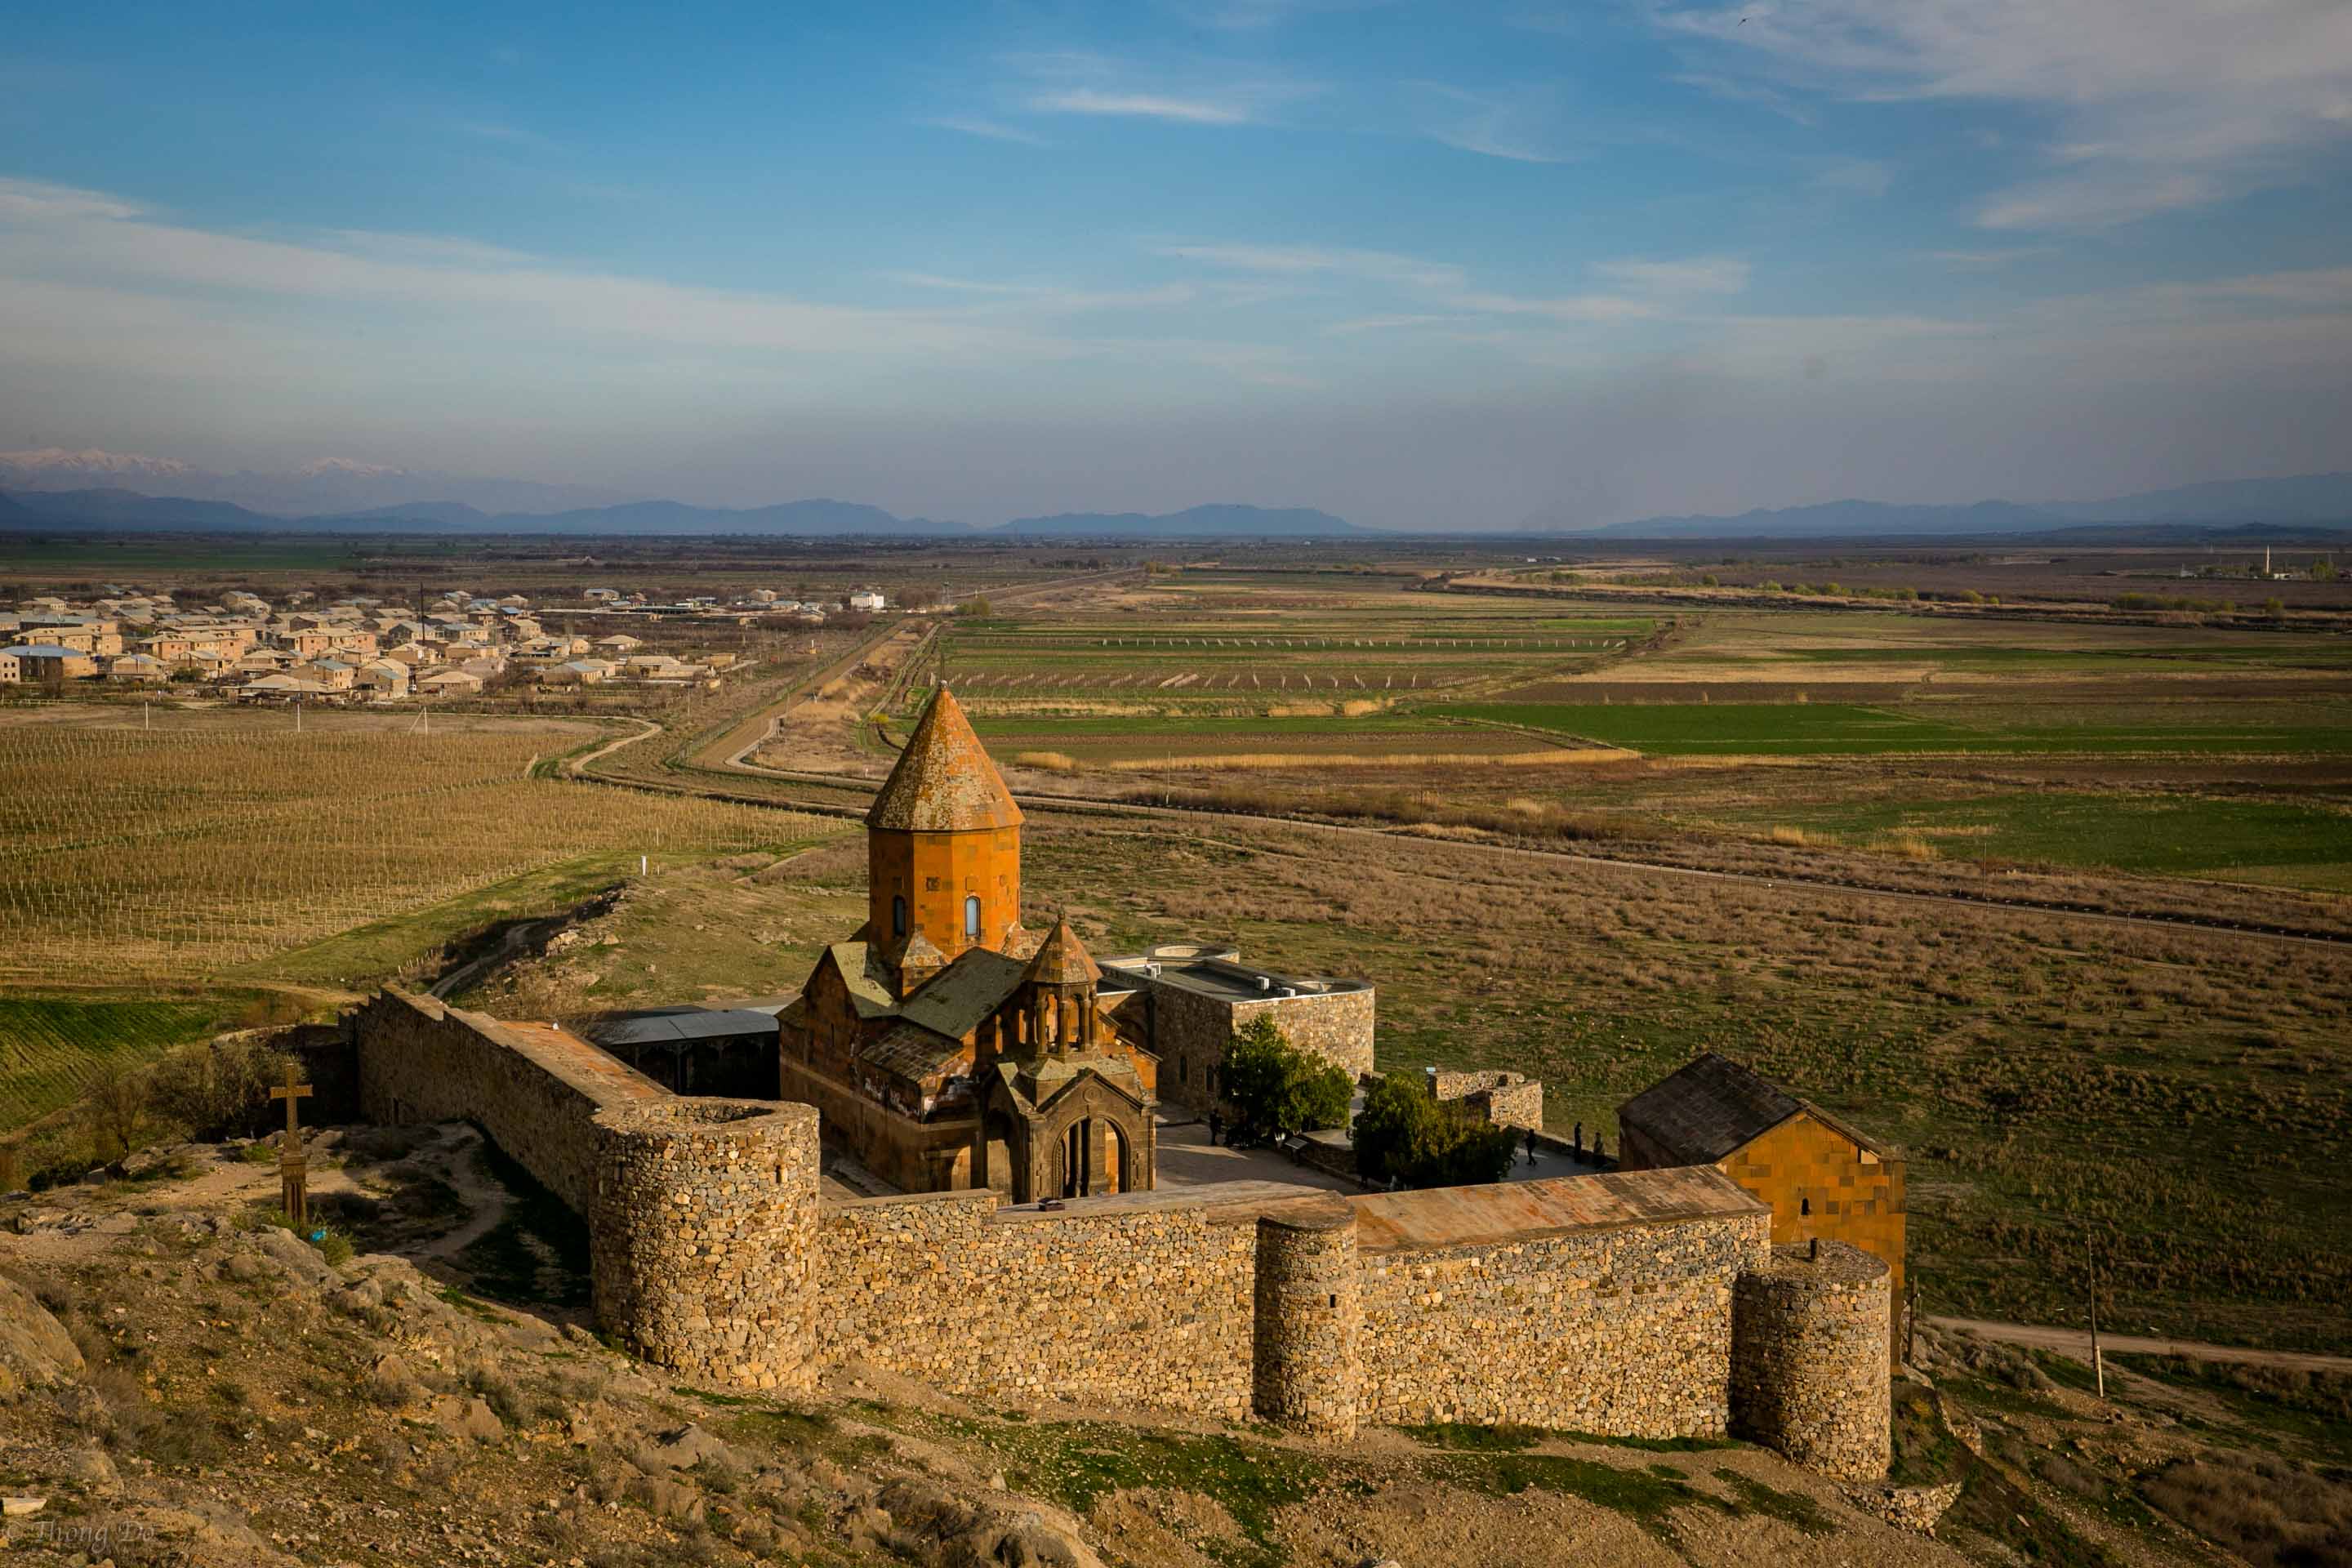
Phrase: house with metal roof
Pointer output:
(1821, 1176)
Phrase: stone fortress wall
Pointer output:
(1503, 1099)
(1809, 1369)
(1640, 1304)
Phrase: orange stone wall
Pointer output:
(935, 872)
(1819, 1182)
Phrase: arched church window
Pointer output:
(971, 918)
(897, 917)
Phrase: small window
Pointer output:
(1804, 1205)
(899, 917)
(971, 918)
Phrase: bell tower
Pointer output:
(942, 849)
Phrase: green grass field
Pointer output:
(53, 1048)
(1829, 728)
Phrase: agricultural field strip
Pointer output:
(1080, 806)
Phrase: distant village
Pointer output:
(364, 650)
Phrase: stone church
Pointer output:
(947, 1044)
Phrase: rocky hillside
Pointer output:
(183, 1382)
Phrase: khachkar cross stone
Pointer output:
(293, 1170)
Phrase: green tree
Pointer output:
(1405, 1134)
(1276, 1088)
(2323, 570)
(978, 607)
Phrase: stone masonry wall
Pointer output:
(420, 1060)
(1809, 1370)
(1130, 1298)
(702, 1238)
(1189, 1032)
(1503, 1099)
(1306, 1368)
(1625, 1333)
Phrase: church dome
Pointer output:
(944, 782)
(1063, 960)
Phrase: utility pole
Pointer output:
(2098, 1362)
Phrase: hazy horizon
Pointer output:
(1418, 266)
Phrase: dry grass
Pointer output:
(1047, 761)
(176, 853)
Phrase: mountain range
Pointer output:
(115, 508)
(57, 487)
(2305, 499)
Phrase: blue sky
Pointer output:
(1423, 265)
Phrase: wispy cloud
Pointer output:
(989, 130)
(1375, 265)
(1986, 260)
(1385, 325)
(2162, 104)
(1522, 124)
(1748, 92)
(1693, 275)
(1197, 91)
(510, 135)
(1140, 106)
(1562, 308)
(1855, 176)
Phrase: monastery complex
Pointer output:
(1734, 1273)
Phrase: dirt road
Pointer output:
(2076, 1342)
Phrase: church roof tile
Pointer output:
(943, 782)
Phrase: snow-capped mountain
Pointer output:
(57, 468)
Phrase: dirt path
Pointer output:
(2076, 1342)
(577, 766)
(486, 1201)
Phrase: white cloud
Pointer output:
(1694, 275)
(1755, 94)
(30, 200)
(1522, 124)
(1374, 265)
(2165, 104)
(462, 293)
(1140, 105)
(1563, 308)
(1386, 324)
(1856, 176)
(989, 130)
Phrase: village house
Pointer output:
(1822, 1177)
(451, 683)
(384, 679)
(139, 667)
(39, 662)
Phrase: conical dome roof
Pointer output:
(1063, 960)
(944, 782)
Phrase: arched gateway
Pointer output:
(946, 1044)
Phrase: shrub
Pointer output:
(218, 1087)
(1404, 1134)
(1274, 1086)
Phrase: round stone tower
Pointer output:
(1305, 1372)
(703, 1227)
(1809, 1369)
(942, 844)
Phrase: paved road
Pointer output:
(2076, 1342)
